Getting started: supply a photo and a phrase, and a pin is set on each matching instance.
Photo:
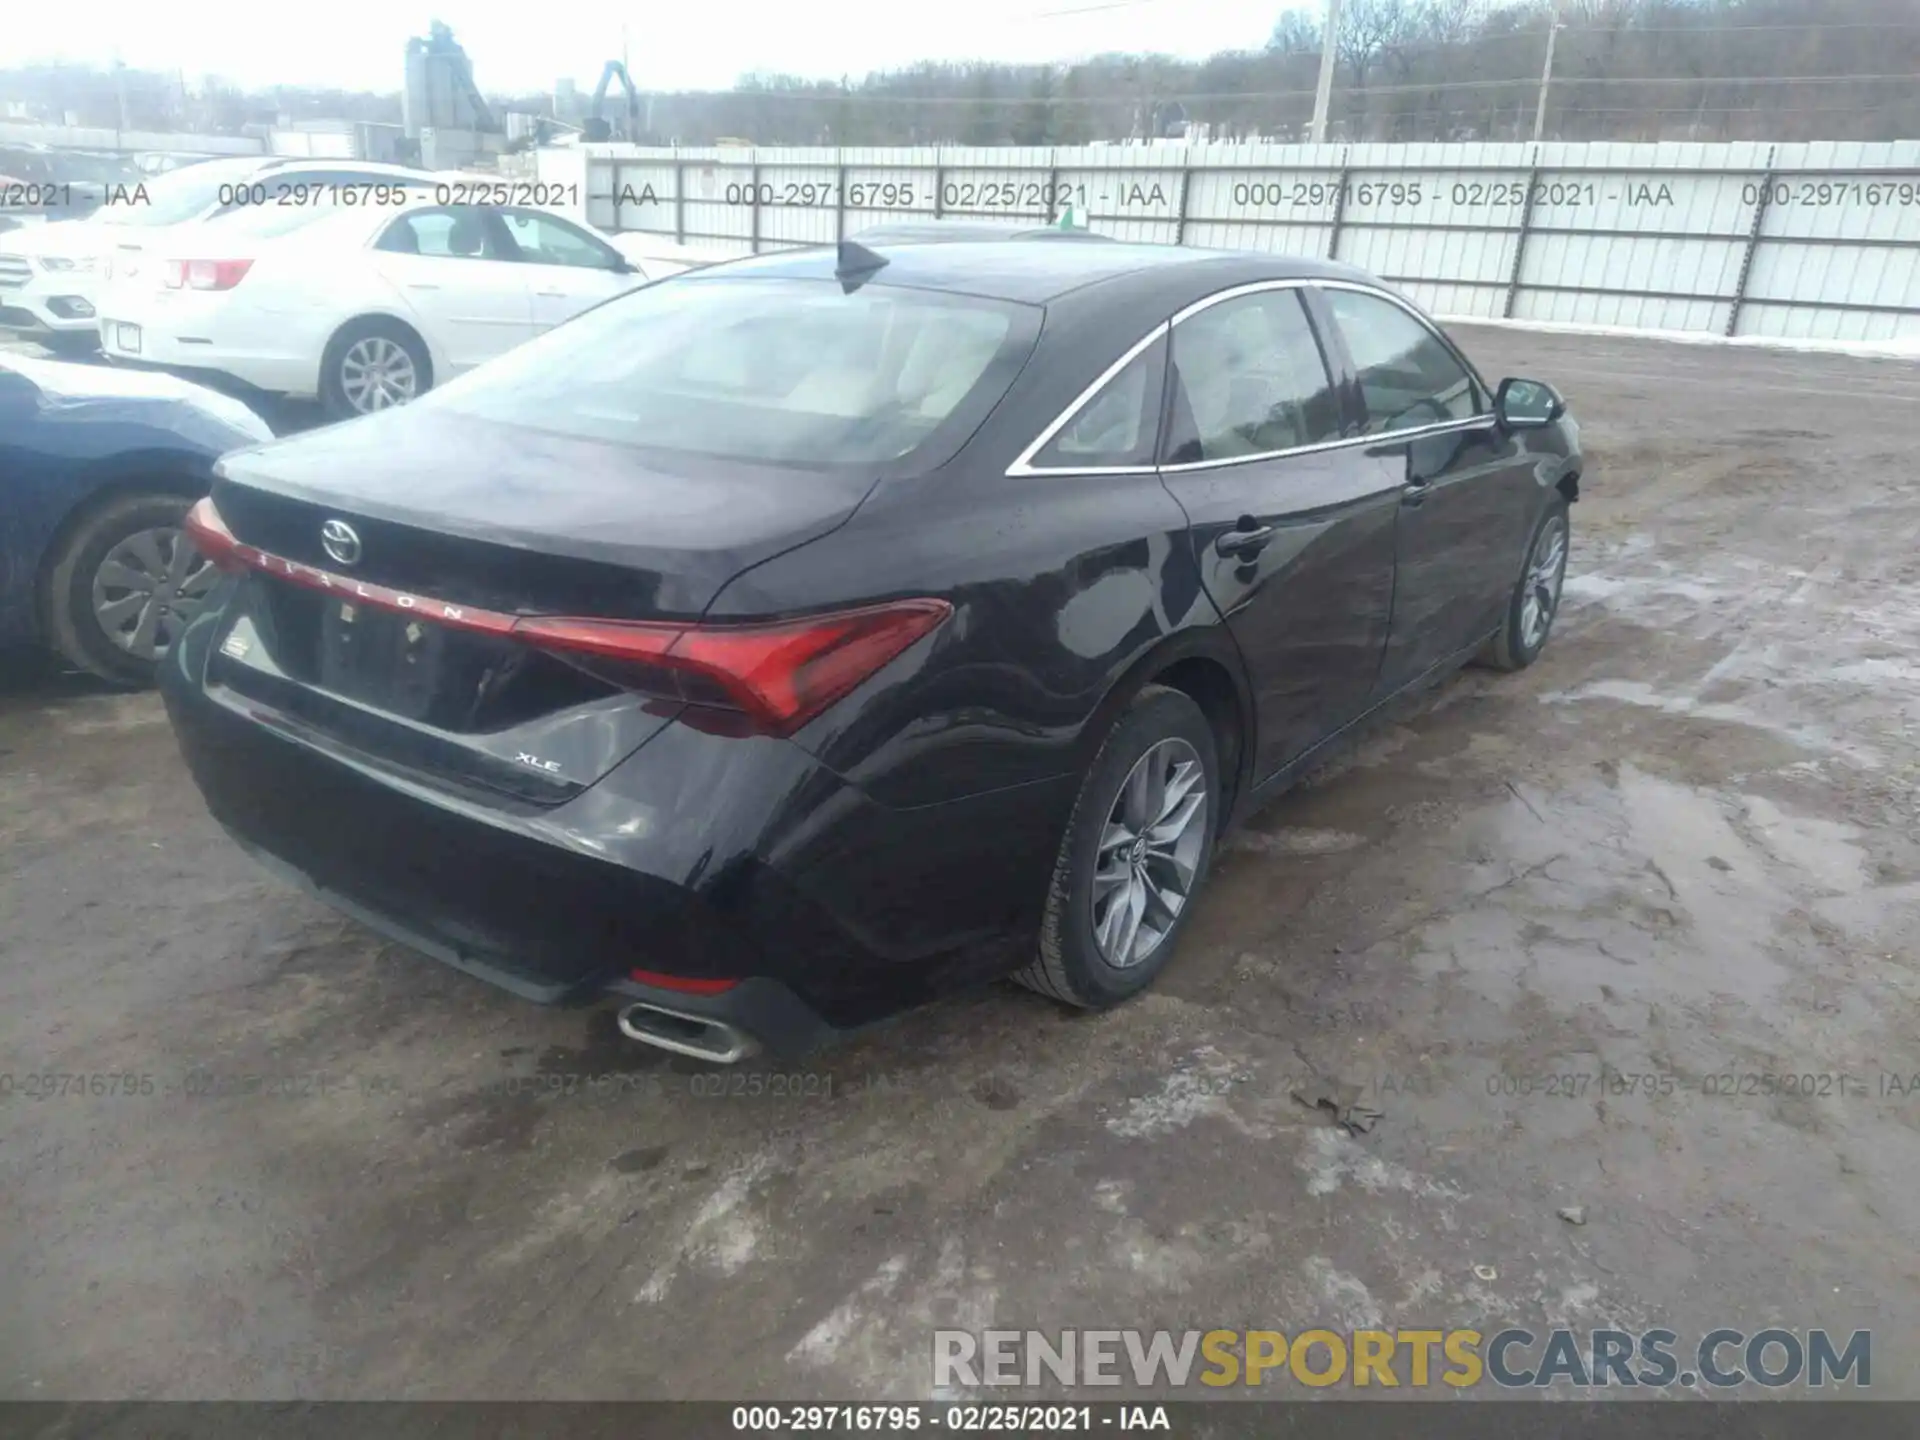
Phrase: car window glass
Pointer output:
(1119, 425)
(546, 241)
(783, 371)
(1407, 375)
(1251, 380)
(455, 234)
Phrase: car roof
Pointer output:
(328, 162)
(949, 232)
(1038, 273)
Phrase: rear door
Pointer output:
(1469, 497)
(1292, 527)
(567, 269)
(457, 270)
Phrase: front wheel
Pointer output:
(1135, 856)
(1535, 601)
(124, 585)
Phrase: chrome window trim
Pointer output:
(1024, 466)
(1383, 439)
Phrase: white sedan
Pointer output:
(50, 274)
(364, 307)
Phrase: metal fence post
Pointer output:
(1186, 184)
(753, 189)
(679, 200)
(839, 196)
(617, 226)
(1339, 214)
(1053, 188)
(939, 184)
(1520, 240)
(1760, 207)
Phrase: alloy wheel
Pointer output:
(147, 588)
(1545, 570)
(377, 373)
(1149, 852)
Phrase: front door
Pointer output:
(1292, 530)
(455, 269)
(1469, 493)
(568, 270)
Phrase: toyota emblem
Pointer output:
(341, 542)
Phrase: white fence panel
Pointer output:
(1813, 241)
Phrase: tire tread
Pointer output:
(1047, 972)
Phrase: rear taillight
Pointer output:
(212, 539)
(206, 274)
(778, 675)
(773, 677)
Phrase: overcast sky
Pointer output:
(673, 44)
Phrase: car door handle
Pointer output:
(1244, 543)
(551, 294)
(1414, 494)
(420, 285)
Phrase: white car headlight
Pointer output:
(63, 263)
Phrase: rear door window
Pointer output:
(452, 233)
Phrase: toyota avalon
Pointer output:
(798, 640)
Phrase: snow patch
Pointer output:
(1332, 1160)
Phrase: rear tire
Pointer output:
(372, 365)
(121, 589)
(1535, 602)
(1159, 762)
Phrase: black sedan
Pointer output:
(97, 469)
(800, 639)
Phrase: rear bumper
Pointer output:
(201, 333)
(701, 857)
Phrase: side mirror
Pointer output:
(1527, 404)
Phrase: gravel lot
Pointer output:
(1684, 845)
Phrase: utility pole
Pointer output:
(1554, 28)
(1323, 94)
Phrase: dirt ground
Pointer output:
(1546, 923)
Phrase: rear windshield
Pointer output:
(779, 371)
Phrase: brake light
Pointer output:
(773, 677)
(212, 539)
(206, 274)
(780, 675)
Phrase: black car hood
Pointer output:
(695, 524)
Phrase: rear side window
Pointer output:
(455, 234)
(780, 371)
(1251, 380)
(1407, 374)
(1119, 426)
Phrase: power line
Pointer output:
(1430, 88)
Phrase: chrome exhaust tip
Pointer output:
(694, 1035)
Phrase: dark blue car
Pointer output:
(97, 469)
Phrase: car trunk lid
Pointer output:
(392, 556)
